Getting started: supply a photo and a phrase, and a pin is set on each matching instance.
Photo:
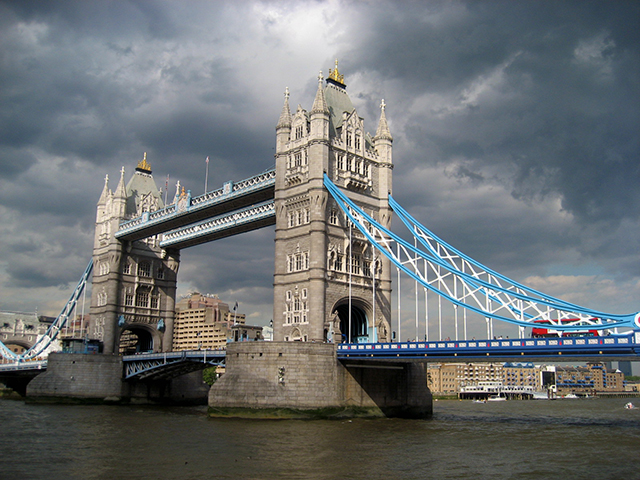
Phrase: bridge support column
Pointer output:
(299, 379)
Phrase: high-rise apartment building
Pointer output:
(204, 322)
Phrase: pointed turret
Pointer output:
(319, 125)
(285, 115)
(382, 144)
(283, 129)
(120, 198)
(383, 128)
(105, 198)
(320, 103)
(120, 189)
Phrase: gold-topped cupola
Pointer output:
(143, 165)
(335, 77)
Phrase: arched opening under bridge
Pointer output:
(359, 323)
(135, 340)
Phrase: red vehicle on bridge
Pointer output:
(545, 332)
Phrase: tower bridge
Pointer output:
(330, 198)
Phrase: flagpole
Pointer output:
(206, 176)
(166, 189)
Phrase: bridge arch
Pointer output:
(17, 345)
(360, 320)
(138, 339)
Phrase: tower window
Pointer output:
(297, 262)
(128, 300)
(142, 299)
(104, 268)
(144, 269)
(338, 263)
(126, 268)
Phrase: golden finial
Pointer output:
(143, 165)
(335, 75)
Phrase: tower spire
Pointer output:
(121, 191)
(105, 191)
(320, 103)
(285, 115)
(383, 128)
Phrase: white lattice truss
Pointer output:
(442, 269)
(44, 342)
(219, 223)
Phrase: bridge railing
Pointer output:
(623, 345)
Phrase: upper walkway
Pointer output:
(232, 197)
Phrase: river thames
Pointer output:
(566, 439)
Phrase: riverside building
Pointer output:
(204, 322)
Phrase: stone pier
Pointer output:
(306, 380)
(81, 378)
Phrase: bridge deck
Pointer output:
(156, 366)
(626, 347)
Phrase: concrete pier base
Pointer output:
(80, 378)
(299, 379)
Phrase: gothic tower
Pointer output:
(325, 271)
(134, 283)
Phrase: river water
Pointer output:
(564, 439)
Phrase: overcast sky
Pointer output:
(515, 129)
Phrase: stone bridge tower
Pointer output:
(134, 283)
(325, 272)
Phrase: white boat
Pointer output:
(496, 398)
(630, 406)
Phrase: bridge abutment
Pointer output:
(81, 378)
(303, 379)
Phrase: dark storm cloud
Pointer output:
(564, 116)
(515, 123)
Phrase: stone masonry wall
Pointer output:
(305, 375)
(80, 376)
(278, 375)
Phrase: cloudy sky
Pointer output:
(515, 129)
